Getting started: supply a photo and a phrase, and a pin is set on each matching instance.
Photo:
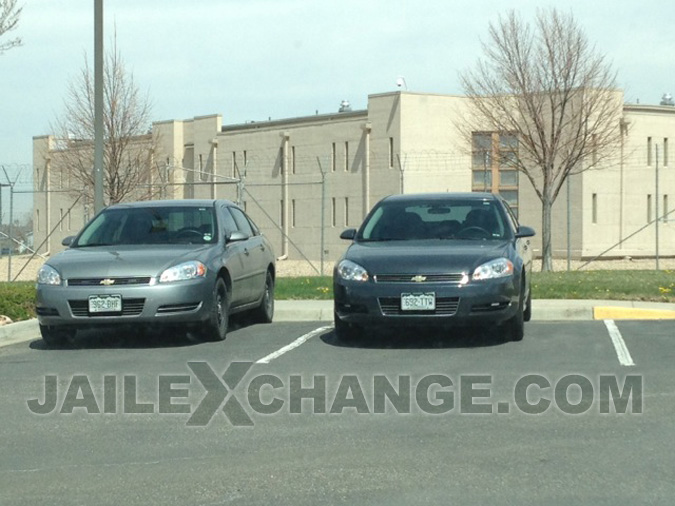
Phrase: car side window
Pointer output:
(242, 222)
(228, 221)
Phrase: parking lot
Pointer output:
(577, 413)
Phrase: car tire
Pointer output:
(215, 328)
(346, 332)
(527, 314)
(265, 312)
(515, 327)
(57, 336)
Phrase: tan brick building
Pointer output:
(322, 173)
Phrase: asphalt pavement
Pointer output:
(579, 412)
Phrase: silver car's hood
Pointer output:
(119, 261)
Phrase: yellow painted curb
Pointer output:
(631, 313)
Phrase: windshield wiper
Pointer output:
(94, 244)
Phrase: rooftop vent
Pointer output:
(345, 106)
(667, 99)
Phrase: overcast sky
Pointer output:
(254, 59)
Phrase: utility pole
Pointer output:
(98, 106)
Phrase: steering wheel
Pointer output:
(473, 232)
(186, 233)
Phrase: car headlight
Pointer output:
(498, 268)
(352, 271)
(47, 275)
(181, 272)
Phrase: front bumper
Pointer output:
(475, 303)
(182, 302)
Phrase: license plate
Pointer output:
(105, 304)
(418, 301)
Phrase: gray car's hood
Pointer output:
(112, 261)
(418, 257)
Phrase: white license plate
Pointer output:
(105, 304)
(418, 301)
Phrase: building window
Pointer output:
(665, 151)
(37, 219)
(494, 165)
(649, 150)
(595, 208)
(333, 161)
(649, 208)
(234, 164)
(245, 159)
(391, 152)
(202, 173)
(281, 160)
(293, 159)
(333, 214)
(346, 211)
(293, 213)
(346, 156)
(281, 214)
(665, 208)
(60, 219)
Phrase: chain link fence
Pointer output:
(618, 217)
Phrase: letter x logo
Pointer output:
(217, 391)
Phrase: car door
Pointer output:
(255, 255)
(234, 258)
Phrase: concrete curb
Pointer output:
(322, 311)
(19, 332)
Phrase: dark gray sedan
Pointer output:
(185, 264)
(435, 259)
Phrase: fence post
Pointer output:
(656, 208)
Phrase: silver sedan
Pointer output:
(185, 264)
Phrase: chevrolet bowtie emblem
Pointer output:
(107, 282)
(418, 278)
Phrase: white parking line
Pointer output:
(300, 340)
(619, 344)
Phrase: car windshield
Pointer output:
(453, 219)
(150, 225)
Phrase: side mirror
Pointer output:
(236, 236)
(67, 241)
(524, 231)
(349, 234)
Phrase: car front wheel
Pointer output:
(346, 332)
(515, 327)
(265, 312)
(57, 336)
(215, 328)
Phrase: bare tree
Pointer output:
(9, 18)
(130, 145)
(545, 84)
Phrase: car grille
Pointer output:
(419, 278)
(130, 307)
(142, 280)
(445, 306)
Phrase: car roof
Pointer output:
(171, 203)
(416, 197)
